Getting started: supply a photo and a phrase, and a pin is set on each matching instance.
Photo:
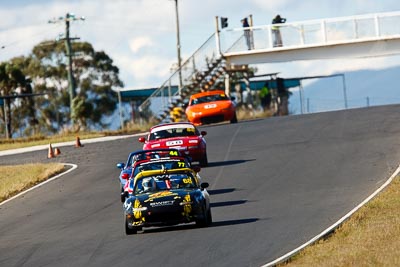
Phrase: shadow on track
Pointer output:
(193, 226)
(221, 191)
(234, 222)
(227, 203)
(228, 162)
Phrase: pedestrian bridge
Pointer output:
(356, 36)
(359, 36)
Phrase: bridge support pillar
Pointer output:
(227, 84)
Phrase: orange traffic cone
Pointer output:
(50, 154)
(57, 151)
(78, 142)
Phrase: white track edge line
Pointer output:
(334, 226)
(73, 167)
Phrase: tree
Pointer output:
(11, 79)
(24, 110)
(45, 71)
(95, 76)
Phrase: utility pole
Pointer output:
(178, 46)
(71, 81)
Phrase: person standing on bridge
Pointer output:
(275, 30)
(247, 33)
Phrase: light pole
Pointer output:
(178, 46)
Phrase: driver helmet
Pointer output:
(149, 184)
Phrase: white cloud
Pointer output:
(140, 42)
(144, 70)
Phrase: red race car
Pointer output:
(183, 136)
(211, 107)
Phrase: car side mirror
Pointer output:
(120, 165)
(204, 185)
(203, 133)
(196, 168)
(124, 195)
(189, 158)
(142, 139)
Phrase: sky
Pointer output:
(141, 35)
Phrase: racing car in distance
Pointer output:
(210, 107)
(166, 197)
(166, 163)
(183, 136)
(143, 156)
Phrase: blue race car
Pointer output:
(142, 156)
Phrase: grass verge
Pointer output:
(17, 178)
(368, 238)
(6, 144)
(14, 143)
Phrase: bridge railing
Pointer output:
(311, 33)
(182, 77)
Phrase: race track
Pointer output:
(274, 183)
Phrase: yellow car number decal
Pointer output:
(187, 180)
(181, 164)
(173, 153)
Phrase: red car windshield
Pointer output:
(163, 133)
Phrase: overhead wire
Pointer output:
(28, 37)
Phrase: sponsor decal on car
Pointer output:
(174, 143)
(162, 203)
(160, 194)
(187, 207)
(137, 213)
(208, 106)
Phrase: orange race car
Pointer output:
(210, 107)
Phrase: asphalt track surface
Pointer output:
(274, 183)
